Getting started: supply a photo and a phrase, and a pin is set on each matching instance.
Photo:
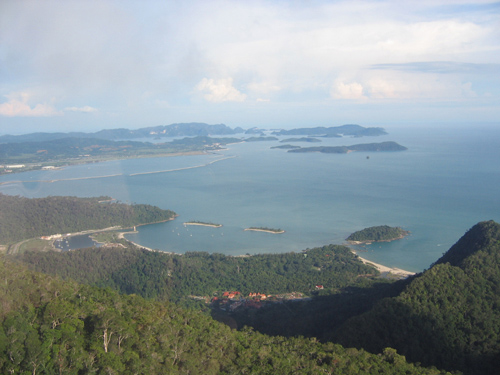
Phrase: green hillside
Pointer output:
(176, 277)
(50, 327)
(449, 316)
(23, 218)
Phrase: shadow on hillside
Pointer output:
(317, 317)
(420, 337)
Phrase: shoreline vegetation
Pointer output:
(121, 236)
(380, 267)
(202, 223)
(264, 229)
(381, 233)
(106, 235)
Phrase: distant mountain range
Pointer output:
(192, 129)
(174, 130)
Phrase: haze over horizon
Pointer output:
(86, 66)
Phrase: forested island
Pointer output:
(285, 147)
(260, 139)
(381, 233)
(303, 139)
(335, 131)
(373, 147)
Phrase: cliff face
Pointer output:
(448, 316)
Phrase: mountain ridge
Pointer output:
(447, 316)
(172, 130)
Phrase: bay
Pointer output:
(75, 242)
(445, 182)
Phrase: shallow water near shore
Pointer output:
(445, 182)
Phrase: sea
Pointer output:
(447, 181)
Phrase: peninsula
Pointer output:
(381, 233)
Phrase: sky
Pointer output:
(102, 64)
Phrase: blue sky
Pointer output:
(91, 65)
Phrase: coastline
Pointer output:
(121, 235)
(264, 230)
(367, 242)
(203, 224)
(120, 174)
(70, 163)
(403, 274)
(384, 269)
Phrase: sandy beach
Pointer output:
(381, 268)
(264, 230)
(202, 224)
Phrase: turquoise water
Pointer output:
(445, 182)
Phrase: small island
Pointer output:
(260, 139)
(303, 139)
(388, 146)
(381, 233)
(203, 223)
(287, 146)
(265, 229)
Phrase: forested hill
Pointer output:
(173, 130)
(52, 327)
(22, 218)
(449, 316)
(478, 241)
(174, 277)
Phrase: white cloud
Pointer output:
(379, 88)
(18, 106)
(263, 87)
(352, 90)
(86, 109)
(108, 53)
(221, 90)
(402, 85)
